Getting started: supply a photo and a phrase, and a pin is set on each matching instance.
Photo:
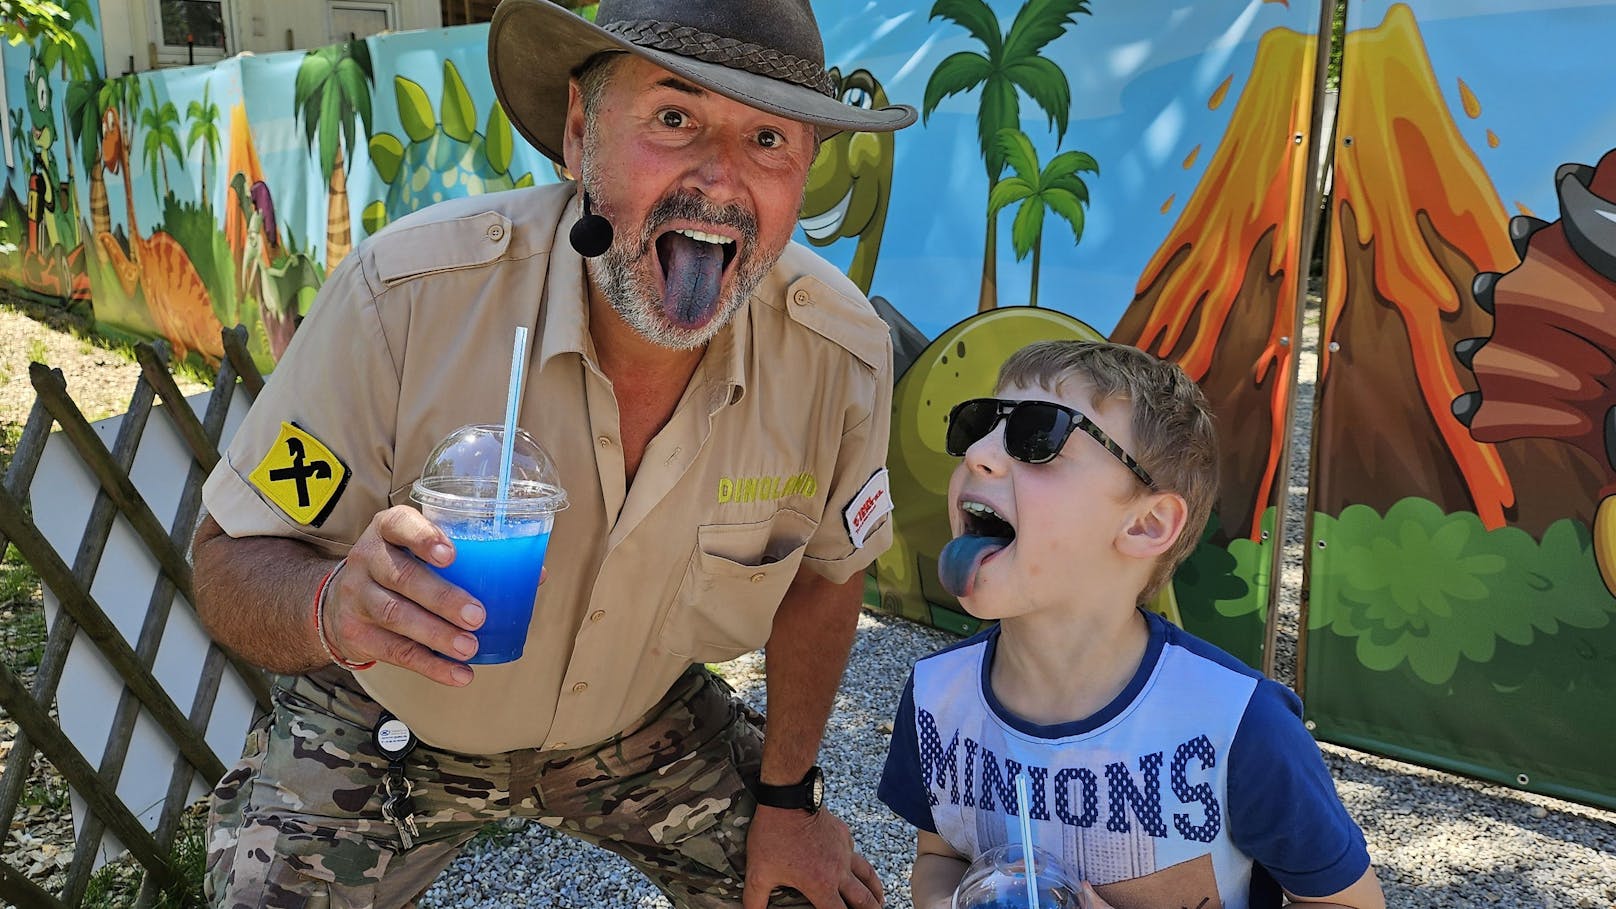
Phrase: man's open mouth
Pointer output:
(693, 263)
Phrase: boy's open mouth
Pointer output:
(985, 533)
(693, 264)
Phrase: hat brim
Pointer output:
(534, 46)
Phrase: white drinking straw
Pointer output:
(1022, 798)
(513, 397)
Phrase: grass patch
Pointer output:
(92, 335)
(116, 885)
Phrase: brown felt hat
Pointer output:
(765, 54)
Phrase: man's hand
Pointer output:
(387, 605)
(813, 853)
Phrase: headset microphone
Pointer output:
(591, 234)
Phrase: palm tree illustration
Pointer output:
(204, 116)
(1056, 187)
(161, 123)
(1010, 65)
(332, 88)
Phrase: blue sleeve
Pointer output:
(901, 787)
(1283, 807)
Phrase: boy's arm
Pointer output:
(938, 870)
(1363, 894)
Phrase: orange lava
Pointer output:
(1222, 229)
(1407, 159)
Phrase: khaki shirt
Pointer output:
(782, 426)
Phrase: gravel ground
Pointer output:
(1437, 839)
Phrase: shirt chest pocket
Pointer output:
(734, 582)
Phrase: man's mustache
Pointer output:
(693, 207)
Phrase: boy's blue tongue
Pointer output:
(957, 564)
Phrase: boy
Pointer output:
(1161, 770)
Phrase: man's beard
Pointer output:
(625, 277)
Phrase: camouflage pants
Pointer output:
(297, 823)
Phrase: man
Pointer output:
(717, 404)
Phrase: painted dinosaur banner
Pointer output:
(1463, 527)
(1132, 172)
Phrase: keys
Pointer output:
(395, 740)
(398, 808)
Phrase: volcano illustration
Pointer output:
(1416, 219)
(1219, 295)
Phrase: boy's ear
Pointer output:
(1155, 526)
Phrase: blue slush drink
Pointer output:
(499, 543)
(503, 574)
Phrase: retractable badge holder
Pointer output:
(394, 740)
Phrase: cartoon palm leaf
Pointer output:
(459, 112)
(1056, 187)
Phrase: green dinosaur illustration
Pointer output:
(50, 223)
(850, 183)
(443, 159)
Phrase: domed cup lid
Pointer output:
(461, 475)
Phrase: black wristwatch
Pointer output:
(807, 795)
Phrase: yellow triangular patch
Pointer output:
(301, 476)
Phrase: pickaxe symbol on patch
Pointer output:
(299, 472)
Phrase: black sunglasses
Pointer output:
(1034, 431)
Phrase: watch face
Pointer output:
(816, 790)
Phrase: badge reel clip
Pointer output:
(394, 740)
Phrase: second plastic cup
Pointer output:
(499, 544)
(997, 879)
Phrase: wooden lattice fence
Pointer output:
(81, 620)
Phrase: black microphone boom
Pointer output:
(591, 234)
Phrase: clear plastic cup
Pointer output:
(499, 544)
(997, 879)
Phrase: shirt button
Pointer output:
(801, 298)
(756, 578)
(597, 615)
(605, 441)
(580, 688)
(495, 232)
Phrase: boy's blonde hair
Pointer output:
(1173, 436)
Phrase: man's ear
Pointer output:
(1157, 521)
(572, 139)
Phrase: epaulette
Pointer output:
(845, 320)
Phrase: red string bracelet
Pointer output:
(319, 622)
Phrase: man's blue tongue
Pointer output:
(957, 564)
(691, 272)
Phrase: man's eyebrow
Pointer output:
(679, 85)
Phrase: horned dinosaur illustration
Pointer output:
(1548, 369)
(158, 264)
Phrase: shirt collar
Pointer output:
(566, 301)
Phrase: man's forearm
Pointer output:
(806, 654)
(255, 596)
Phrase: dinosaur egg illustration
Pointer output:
(963, 362)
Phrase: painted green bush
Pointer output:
(1430, 589)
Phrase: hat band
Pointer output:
(753, 58)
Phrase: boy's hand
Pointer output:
(1091, 899)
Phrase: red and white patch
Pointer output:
(872, 503)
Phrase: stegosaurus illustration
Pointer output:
(444, 159)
